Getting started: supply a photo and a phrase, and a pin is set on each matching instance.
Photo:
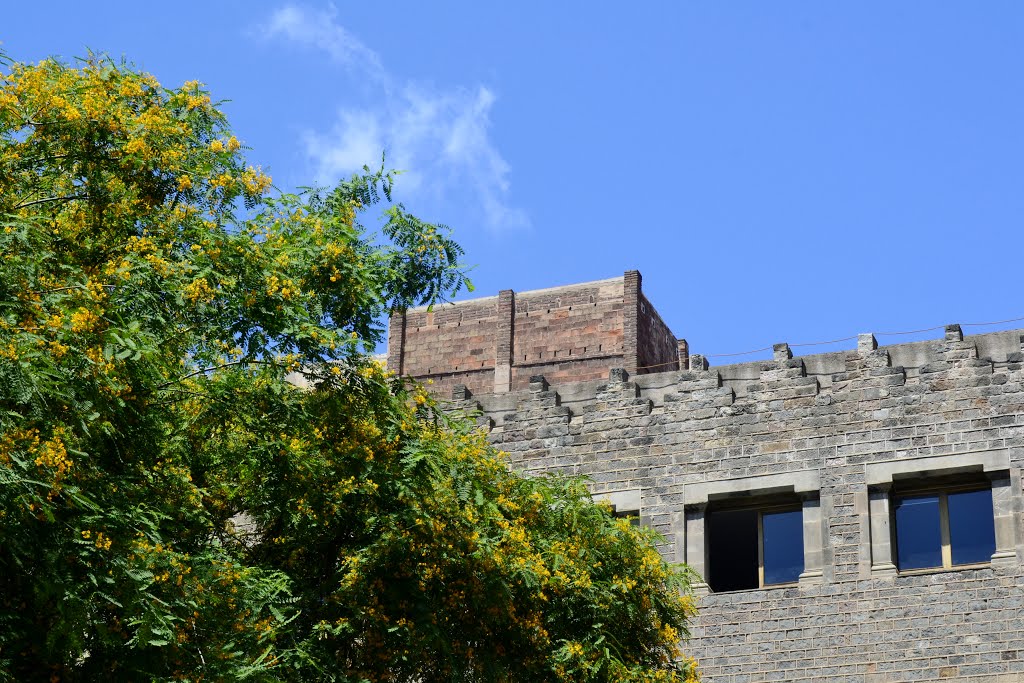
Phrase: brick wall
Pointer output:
(568, 332)
(571, 333)
(451, 344)
(832, 420)
(658, 349)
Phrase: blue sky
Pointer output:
(784, 171)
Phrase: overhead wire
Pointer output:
(835, 341)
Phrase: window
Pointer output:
(943, 527)
(632, 515)
(939, 512)
(754, 547)
(750, 532)
(624, 504)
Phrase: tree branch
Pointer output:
(203, 371)
(61, 289)
(70, 198)
(194, 394)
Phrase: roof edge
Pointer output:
(543, 290)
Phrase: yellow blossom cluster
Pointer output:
(256, 182)
(83, 320)
(52, 453)
(102, 541)
(199, 291)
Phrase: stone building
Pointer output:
(857, 515)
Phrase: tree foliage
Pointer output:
(204, 475)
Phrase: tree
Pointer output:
(174, 506)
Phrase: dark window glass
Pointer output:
(783, 547)
(918, 532)
(972, 536)
(732, 550)
(632, 515)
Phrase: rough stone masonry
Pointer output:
(587, 379)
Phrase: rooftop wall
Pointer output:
(658, 349)
(494, 345)
(568, 333)
(450, 344)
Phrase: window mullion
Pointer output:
(760, 550)
(947, 553)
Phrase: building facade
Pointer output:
(854, 516)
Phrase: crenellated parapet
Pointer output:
(728, 402)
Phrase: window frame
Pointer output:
(803, 485)
(625, 504)
(946, 471)
(631, 515)
(934, 487)
(760, 507)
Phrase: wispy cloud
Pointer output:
(320, 30)
(439, 137)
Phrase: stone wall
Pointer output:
(835, 431)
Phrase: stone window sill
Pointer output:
(926, 571)
(761, 589)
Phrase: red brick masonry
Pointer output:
(572, 333)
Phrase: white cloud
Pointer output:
(355, 141)
(319, 29)
(439, 137)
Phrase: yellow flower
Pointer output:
(255, 181)
(223, 180)
(54, 455)
(135, 145)
(184, 182)
(57, 349)
(102, 542)
(199, 290)
(130, 89)
(197, 101)
(83, 320)
(217, 146)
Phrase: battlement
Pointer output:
(784, 377)
(495, 344)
